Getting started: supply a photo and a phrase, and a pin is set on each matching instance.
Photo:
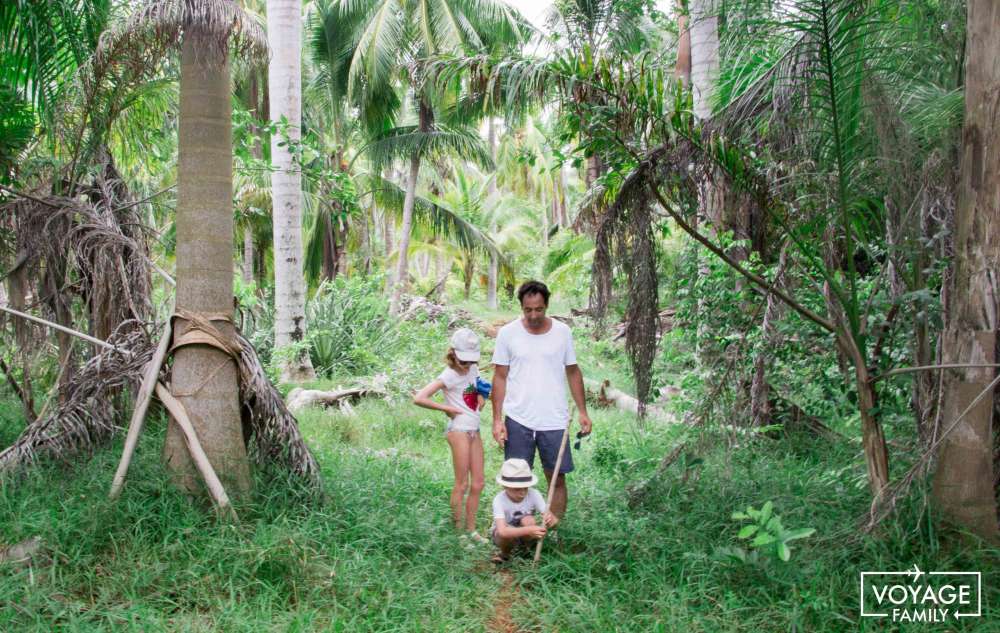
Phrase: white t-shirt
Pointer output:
(455, 386)
(512, 513)
(536, 381)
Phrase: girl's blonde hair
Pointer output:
(452, 360)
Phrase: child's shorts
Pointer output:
(472, 433)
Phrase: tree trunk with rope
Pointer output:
(204, 378)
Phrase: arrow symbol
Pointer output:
(915, 573)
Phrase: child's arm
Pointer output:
(507, 531)
(423, 399)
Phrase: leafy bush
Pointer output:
(349, 327)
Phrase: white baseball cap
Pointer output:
(466, 345)
(515, 473)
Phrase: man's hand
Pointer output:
(549, 519)
(499, 432)
(585, 424)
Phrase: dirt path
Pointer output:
(502, 621)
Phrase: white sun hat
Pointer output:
(515, 473)
(466, 345)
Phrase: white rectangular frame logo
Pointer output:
(917, 573)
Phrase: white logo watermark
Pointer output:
(919, 596)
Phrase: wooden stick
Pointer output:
(555, 478)
(142, 401)
(61, 328)
(212, 482)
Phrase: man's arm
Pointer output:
(575, 378)
(497, 395)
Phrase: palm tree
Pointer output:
(964, 480)
(392, 35)
(284, 33)
(204, 378)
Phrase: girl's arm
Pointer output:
(423, 399)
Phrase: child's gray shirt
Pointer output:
(512, 513)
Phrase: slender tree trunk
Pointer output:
(683, 69)
(760, 396)
(442, 268)
(205, 379)
(963, 482)
(284, 34)
(491, 282)
(402, 256)
(468, 270)
(329, 267)
(703, 36)
(402, 267)
(340, 233)
(248, 255)
(491, 279)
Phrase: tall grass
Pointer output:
(377, 553)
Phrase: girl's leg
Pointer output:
(459, 443)
(476, 480)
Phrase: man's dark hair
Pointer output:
(533, 288)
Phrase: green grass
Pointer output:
(376, 553)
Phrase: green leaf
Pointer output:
(792, 535)
(784, 552)
(763, 539)
(739, 516)
(747, 531)
(765, 512)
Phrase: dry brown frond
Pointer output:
(159, 25)
(274, 431)
(87, 415)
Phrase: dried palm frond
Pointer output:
(87, 417)
(274, 432)
(159, 25)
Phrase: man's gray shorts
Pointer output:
(521, 442)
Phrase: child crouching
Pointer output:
(514, 509)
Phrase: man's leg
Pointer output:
(520, 442)
(560, 496)
(549, 443)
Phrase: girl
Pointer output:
(462, 402)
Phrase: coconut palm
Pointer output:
(284, 19)
(204, 377)
(390, 36)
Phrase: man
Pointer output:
(533, 361)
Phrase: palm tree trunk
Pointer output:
(468, 270)
(704, 34)
(205, 378)
(703, 38)
(491, 280)
(284, 34)
(329, 248)
(963, 482)
(402, 259)
(248, 255)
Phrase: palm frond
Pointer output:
(434, 219)
(159, 25)
(405, 141)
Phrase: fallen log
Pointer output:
(23, 553)
(608, 396)
(300, 398)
